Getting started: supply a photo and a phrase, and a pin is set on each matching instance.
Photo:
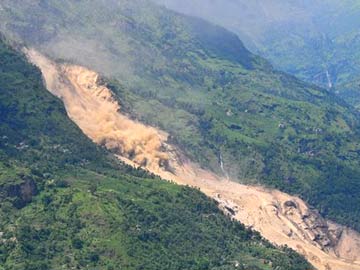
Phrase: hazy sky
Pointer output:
(308, 38)
(246, 18)
(251, 20)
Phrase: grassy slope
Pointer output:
(64, 204)
(199, 83)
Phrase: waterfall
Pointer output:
(330, 85)
(222, 166)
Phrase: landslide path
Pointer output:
(279, 217)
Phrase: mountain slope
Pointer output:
(66, 203)
(279, 217)
(318, 41)
(228, 109)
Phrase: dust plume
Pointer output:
(92, 107)
(281, 218)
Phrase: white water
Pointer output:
(222, 167)
(330, 84)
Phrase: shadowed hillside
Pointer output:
(318, 41)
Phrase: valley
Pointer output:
(279, 217)
(66, 203)
(136, 137)
(317, 41)
(213, 97)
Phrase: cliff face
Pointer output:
(279, 217)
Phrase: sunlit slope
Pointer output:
(66, 204)
(216, 100)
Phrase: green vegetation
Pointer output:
(199, 83)
(321, 47)
(350, 92)
(316, 40)
(67, 204)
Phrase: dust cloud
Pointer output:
(279, 217)
(93, 108)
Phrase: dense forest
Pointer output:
(67, 204)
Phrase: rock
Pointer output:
(228, 207)
(22, 192)
(290, 204)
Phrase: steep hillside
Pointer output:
(317, 41)
(350, 92)
(281, 218)
(227, 108)
(67, 204)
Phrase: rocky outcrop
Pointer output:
(291, 218)
(314, 227)
(228, 207)
(21, 192)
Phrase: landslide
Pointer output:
(218, 101)
(279, 217)
(67, 204)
